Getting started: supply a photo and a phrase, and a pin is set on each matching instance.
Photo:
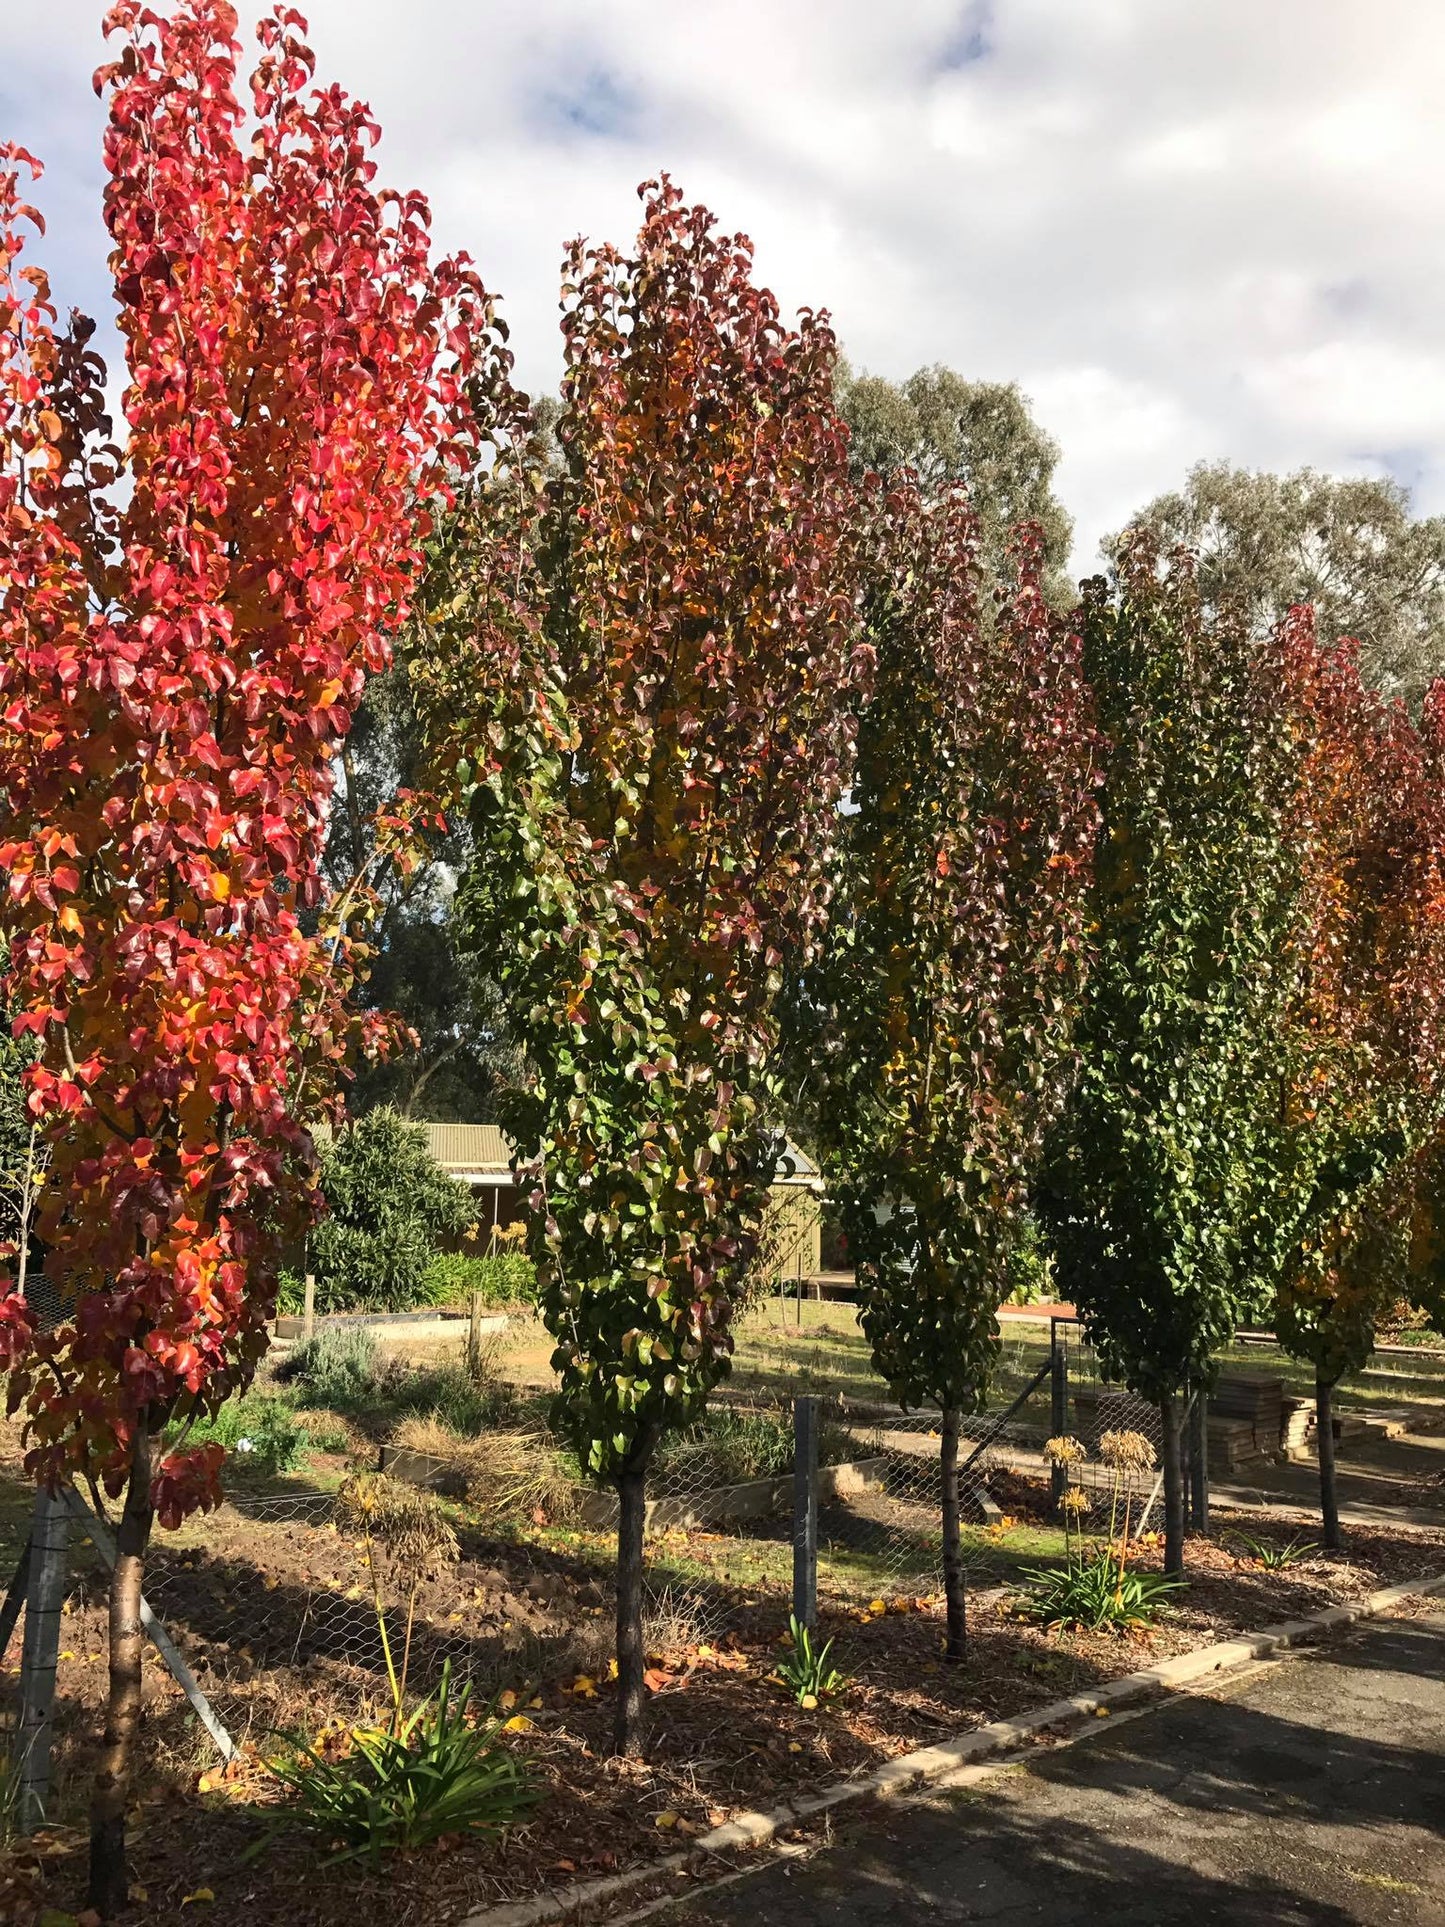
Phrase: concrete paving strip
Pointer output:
(933, 1765)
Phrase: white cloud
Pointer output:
(1188, 231)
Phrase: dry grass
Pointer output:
(506, 1477)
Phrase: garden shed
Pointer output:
(480, 1155)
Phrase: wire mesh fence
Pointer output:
(287, 1616)
(1096, 1405)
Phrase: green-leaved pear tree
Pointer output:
(1164, 1173)
(958, 947)
(1366, 1091)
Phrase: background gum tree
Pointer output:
(652, 792)
(947, 431)
(957, 948)
(185, 624)
(1166, 1164)
(1365, 1080)
(1348, 545)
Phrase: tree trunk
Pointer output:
(1171, 1414)
(631, 1659)
(107, 1892)
(955, 1582)
(1325, 1442)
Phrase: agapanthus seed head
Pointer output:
(1127, 1451)
(1064, 1451)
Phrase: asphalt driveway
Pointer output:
(1309, 1793)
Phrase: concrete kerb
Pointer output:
(932, 1764)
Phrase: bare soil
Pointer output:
(275, 1618)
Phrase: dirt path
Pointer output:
(1308, 1794)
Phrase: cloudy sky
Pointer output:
(1188, 230)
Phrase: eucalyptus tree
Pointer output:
(1349, 545)
(947, 432)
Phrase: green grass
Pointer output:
(827, 1354)
(854, 1573)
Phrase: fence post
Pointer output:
(308, 1308)
(474, 1337)
(1199, 1460)
(39, 1653)
(805, 1510)
(1058, 1404)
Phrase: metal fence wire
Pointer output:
(273, 1606)
(1096, 1404)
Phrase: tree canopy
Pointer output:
(187, 619)
(1347, 544)
(1165, 1164)
(952, 971)
(636, 677)
(978, 434)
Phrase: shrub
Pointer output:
(440, 1772)
(388, 1203)
(337, 1367)
(260, 1433)
(503, 1278)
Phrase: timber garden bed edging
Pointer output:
(930, 1764)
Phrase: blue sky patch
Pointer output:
(597, 104)
(971, 38)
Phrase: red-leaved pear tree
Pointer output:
(653, 791)
(186, 621)
(1366, 1089)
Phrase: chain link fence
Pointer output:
(277, 1605)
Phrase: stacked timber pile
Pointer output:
(1246, 1418)
(1246, 1415)
(1297, 1428)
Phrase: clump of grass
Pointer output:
(730, 1447)
(674, 1620)
(464, 1402)
(1272, 1556)
(508, 1478)
(523, 1477)
(439, 1771)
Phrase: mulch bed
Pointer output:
(279, 1631)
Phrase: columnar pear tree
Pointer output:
(958, 947)
(1163, 1176)
(186, 620)
(653, 792)
(1366, 1090)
